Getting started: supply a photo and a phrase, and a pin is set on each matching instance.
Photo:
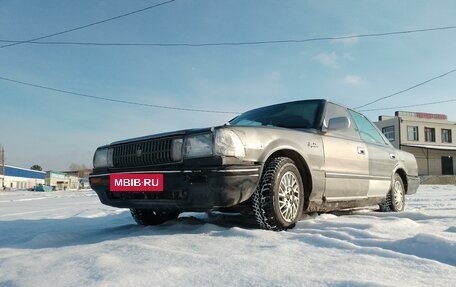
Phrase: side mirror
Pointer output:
(339, 123)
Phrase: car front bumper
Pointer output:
(185, 190)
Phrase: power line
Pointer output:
(289, 41)
(407, 89)
(189, 109)
(409, 106)
(88, 25)
(114, 100)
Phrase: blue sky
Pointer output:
(55, 130)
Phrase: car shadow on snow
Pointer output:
(323, 233)
(62, 232)
(55, 233)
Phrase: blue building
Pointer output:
(22, 178)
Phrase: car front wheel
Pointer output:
(279, 198)
(395, 200)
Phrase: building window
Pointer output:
(389, 133)
(429, 134)
(446, 136)
(412, 133)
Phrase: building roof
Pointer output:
(440, 147)
(24, 172)
(420, 115)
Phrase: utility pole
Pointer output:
(2, 167)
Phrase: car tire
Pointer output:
(152, 217)
(395, 200)
(279, 198)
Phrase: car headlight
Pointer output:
(228, 143)
(199, 145)
(176, 149)
(102, 158)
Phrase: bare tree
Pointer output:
(74, 167)
(82, 169)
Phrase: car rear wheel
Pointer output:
(279, 198)
(152, 217)
(395, 200)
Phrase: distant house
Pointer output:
(428, 136)
(61, 181)
(21, 178)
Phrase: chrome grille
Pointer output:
(144, 153)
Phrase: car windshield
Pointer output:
(294, 115)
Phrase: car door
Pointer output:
(382, 157)
(346, 159)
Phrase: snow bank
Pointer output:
(70, 239)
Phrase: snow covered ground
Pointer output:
(70, 239)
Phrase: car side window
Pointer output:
(367, 130)
(335, 111)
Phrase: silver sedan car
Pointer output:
(276, 162)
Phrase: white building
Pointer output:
(61, 181)
(428, 136)
(21, 178)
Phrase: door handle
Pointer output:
(392, 156)
(361, 150)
